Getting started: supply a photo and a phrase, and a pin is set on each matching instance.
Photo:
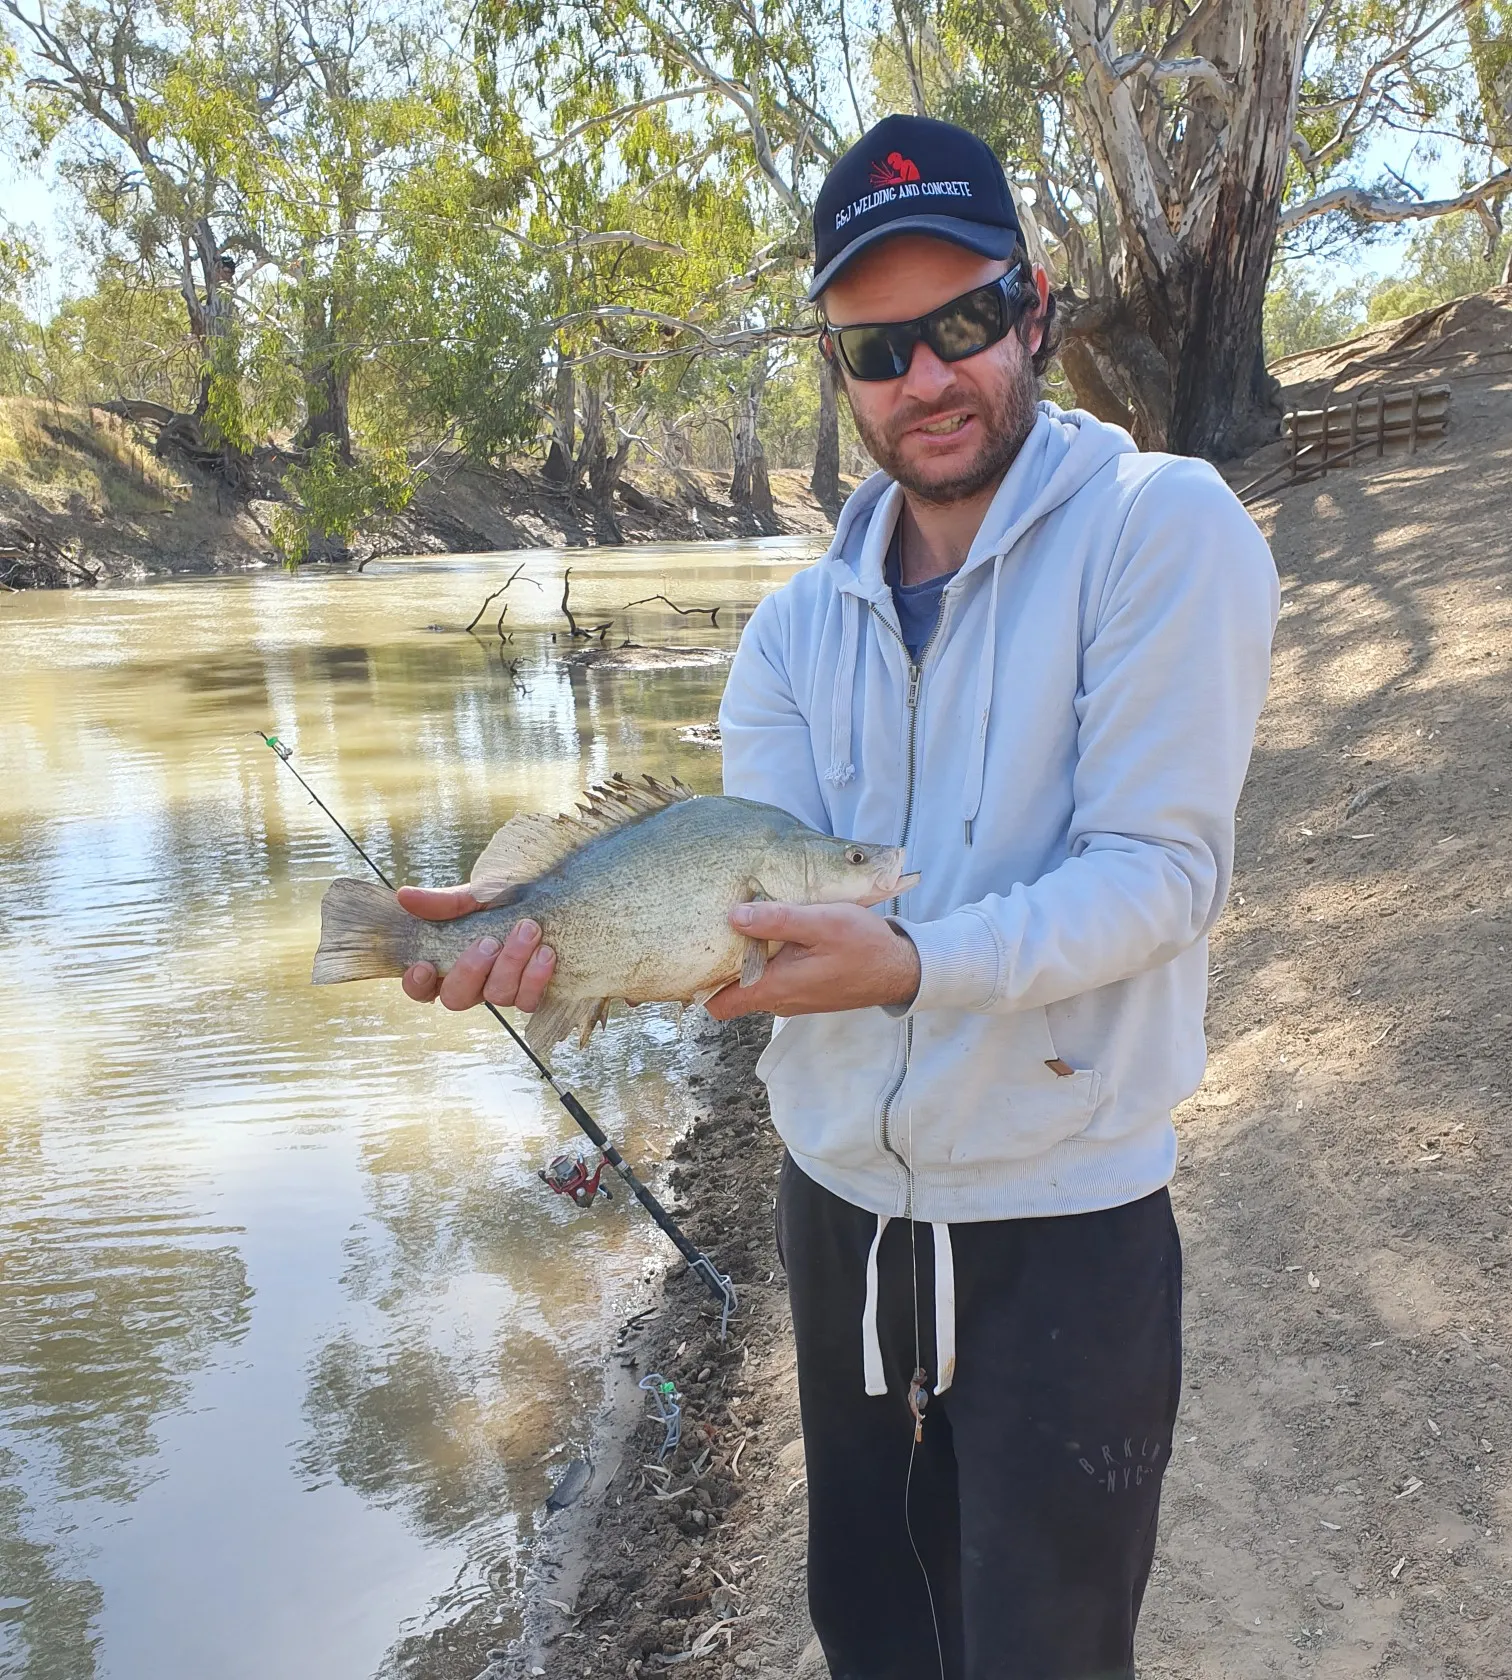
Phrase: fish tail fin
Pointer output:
(364, 935)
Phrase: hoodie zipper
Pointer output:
(915, 675)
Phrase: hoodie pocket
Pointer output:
(824, 1076)
(982, 1089)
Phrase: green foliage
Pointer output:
(1488, 26)
(336, 502)
(1299, 316)
(1446, 259)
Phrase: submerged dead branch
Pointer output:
(579, 632)
(489, 599)
(30, 560)
(686, 612)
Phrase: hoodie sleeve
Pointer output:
(1173, 680)
(768, 751)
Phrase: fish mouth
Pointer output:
(898, 884)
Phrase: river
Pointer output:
(292, 1338)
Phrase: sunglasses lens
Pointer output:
(875, 352)
(968, 325)
(954, 331)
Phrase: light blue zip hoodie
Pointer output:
(1063, 766)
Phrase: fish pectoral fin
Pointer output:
(753, 966)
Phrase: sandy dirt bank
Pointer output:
(85, 497)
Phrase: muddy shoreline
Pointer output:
(697, 1561)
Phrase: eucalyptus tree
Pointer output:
(366, 104)
(1489, 28)
(687, 143)
(145, 105)
(1168, 147)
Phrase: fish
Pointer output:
(632, 891)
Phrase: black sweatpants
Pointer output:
(1031, 1501)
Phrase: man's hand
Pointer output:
(834, 956)
(514, 974)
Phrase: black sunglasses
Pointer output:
(964, 327)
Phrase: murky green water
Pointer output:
(289, 1330)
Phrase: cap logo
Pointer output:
(894, 170)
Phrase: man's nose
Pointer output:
(927, 375)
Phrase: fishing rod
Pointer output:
(716, 1282)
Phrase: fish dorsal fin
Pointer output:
(532, 844)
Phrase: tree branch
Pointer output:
(1200, 70)
(1372, 207)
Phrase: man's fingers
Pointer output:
(464, 982)
(765, 920)
(438, 904)
(731, 1001)
(421, 983)
(503, 985)
(536, 978)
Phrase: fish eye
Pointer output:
(855, 854)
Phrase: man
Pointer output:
(1035, 656)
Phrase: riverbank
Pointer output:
(85, 498)
(1339, 1503)
(697, 1560)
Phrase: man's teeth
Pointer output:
(943, 428)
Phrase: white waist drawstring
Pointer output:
(945, 1312)
(871, 1342)
(945, 1325)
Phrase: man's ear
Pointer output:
(826, 344)
(1041, 284)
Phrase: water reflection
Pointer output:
(288, 1328)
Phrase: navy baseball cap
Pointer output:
(912, 175)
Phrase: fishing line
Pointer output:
(920, 1400)
(716, 1282)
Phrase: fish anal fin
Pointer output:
(551, 1023)
(532, 844)
(560, 1018)
(594, 1013)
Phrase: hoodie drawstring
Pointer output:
(945, 1313)
(976, 766)
(871, 1342)
(841, 768)
(944, 1304)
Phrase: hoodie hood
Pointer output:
(1063, 451)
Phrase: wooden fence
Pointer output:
(1321, 440)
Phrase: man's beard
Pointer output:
(1005, 425)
